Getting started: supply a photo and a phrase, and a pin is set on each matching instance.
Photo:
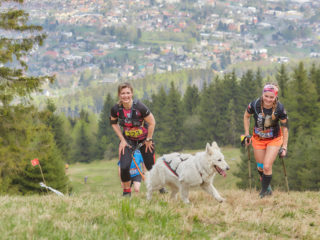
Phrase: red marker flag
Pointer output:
(35, 162)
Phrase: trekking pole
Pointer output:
(284, 169)
(134, 160)
(249, 167)
(243, 140)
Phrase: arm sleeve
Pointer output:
(282, 112)
(250, 108)
(114, 112)
(143, 109)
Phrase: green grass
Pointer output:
(103, 175)
(97, 210)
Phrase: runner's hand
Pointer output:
(282, 152)
(149, 146)
(122, 146)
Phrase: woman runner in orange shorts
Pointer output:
(268, 137)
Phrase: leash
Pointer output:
(134, 160)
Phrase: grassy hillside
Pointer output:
(96, 210)
(102, 176)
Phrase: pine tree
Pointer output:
(171, 136)
(207, 112)
(282, 79)
(24, 137)
(20, 125)
(314, 76)
(107, 141)
(157, 108)
(55, 123)
(191, 99)
(14, 80)
(82, 147)
(301, 103)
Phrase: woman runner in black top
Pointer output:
(268, 137)
(138, 125)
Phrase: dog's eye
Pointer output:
(219, 160)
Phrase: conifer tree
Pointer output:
(171, 135)
(282, 79)
(315, 78)
(20, 125)
(14, 80)
(159, 101)
(82, 147)
(107, 141)
(191, 99)
(55, 123)
(302, 102)
(207, 112)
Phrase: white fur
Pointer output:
(193, 170)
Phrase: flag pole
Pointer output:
(44, 181)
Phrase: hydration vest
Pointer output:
(136, 122)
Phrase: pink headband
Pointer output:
(270, 88)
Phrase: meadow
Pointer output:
(96, 210)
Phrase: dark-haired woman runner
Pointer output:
(268, 136)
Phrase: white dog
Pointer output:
(182, 171)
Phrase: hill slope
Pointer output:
(106, 215)
(96, 210)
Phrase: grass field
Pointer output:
(96, 210)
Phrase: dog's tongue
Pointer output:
(223, 173)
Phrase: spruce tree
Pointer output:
(301, 104)
(171, 136)
(159, 101)
(20, 125)
(314, 76)
(15, 83)
(191, 99)
(55, 123)
(82, 146)
(107, 141)
(282, 79)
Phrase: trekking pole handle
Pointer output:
(244, 139)
(281, 151)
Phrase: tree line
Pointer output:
(185, 119)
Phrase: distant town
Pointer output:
(102, 41)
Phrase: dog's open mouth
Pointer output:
(220, 171)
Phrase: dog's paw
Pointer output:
(186, 201)
(220, 199)
(149, 196)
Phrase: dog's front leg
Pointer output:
(184, 192)
(209, 188)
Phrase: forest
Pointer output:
(211, 110)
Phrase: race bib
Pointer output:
(133, 132)
(267, 133)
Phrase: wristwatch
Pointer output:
(149, 140)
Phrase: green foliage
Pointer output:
(107, 142)
(14, 81)
(23, 138)
(55, 123)
(25, 134)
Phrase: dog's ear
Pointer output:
(209, 149)
(214, 145)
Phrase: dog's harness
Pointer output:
(168, 164)
(174, 171)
